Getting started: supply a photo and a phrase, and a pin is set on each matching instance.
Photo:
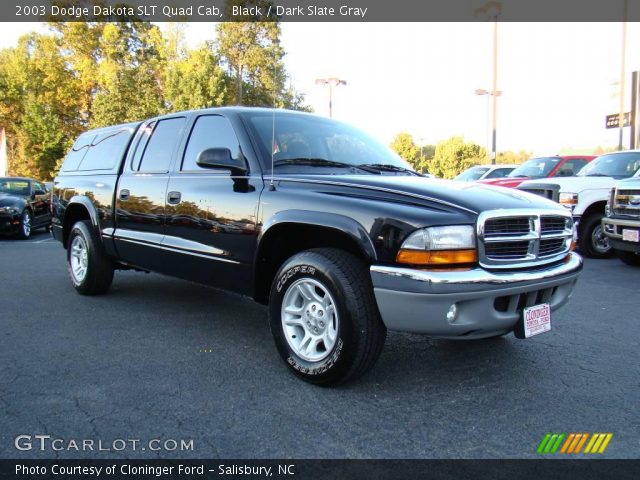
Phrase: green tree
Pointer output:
(453, 156)
(511, 157)
(37, 105)
(251, 53)
(404, 146)
(129, 70)
(194, 80)
(418, 156)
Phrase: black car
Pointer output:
(318, 220)
(25, 204)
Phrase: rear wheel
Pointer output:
(24, 229)
(629, 258)
(593, 242)
(324, 318)
(90, 269)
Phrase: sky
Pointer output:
(559, 80)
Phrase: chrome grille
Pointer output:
(627, 202)
(551, 246)
(507, 226)
(521, 238)
(507, 249)
(552, 224)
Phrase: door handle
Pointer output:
(124, 194)
(174, 198)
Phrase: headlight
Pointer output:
(6, 209)
(608, 208)
(439, 246)
(568, 199)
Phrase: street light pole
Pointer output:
(494, 88)
(491, 11)
(623, 66)
(331, 82)
(489, 145)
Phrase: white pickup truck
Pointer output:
(586, 196)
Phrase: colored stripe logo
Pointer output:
(573, 443)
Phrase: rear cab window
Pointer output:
(99, 150)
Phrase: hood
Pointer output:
(7, 199)
(472, 197)
(575, 184)
(633, 182)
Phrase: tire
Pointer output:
(348, 336)
(90, 269)
(593, 242)
(26, 225)
(629, 258)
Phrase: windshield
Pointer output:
(536, 167)
(616, 165)
(474, 173)
(305, 141)
(14, 187)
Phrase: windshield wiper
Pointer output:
(312, 162)
(322, 162)
(385, 167)
(597, 175)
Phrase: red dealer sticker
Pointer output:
(537, 319)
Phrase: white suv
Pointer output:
(586, 196)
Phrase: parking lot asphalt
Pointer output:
(159, 358)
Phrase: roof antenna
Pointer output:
(272, 186)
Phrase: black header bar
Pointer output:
(320, 10)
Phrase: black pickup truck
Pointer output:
(316, 219)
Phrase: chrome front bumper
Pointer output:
(486, 303)
(613, 227)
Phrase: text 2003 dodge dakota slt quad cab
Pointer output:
(314, 218)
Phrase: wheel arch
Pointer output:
(79, 208)
(293, 231)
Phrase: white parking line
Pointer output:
(44, 241)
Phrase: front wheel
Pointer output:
(324, 318)
(24, 229)
(593, 242)
(629, 258)
(90, 269)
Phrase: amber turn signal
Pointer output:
(436, 257)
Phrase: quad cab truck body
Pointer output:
(317, 220)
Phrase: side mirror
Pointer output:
(221, 158)
(39, 192)
(565, 173)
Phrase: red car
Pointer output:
(542, 167)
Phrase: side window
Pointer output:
(499, 173)
(570, 167)
(157, 153)
(209, 131)
(145, 133)
(38, 186)
(106, 150)
(77, 152)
